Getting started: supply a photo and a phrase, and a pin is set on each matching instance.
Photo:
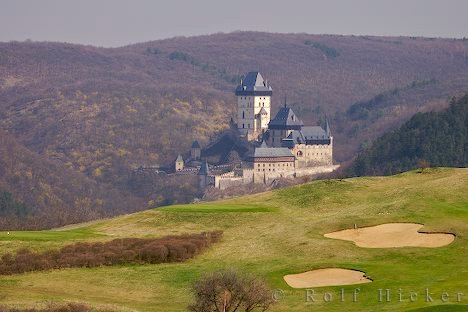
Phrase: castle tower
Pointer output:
(253, 105)
(282, 125)
(203, 173)
(179, 163)
(195, 151)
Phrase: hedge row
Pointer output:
(115, 252)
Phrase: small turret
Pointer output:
(203, 175)
(204, 169)
(179, 163)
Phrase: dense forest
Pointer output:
(434, 138)
(96, 114)
(37, 193)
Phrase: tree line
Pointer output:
(437, 138)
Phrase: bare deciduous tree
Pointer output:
(227, 291)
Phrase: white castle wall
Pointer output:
(247, 108)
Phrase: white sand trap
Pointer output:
(326, 277)
(392, 235)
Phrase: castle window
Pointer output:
(243, 126)
(243, 115)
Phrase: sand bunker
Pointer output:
(326, 277)
(392, 235)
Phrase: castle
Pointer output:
(253, 106)
(288, 149)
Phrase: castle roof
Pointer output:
(307, 135)
(195, 144)
(253, 84)
(272, 152)
(179, 158)
(204, 169)
(285, 119)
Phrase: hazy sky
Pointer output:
(119, 22)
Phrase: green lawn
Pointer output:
(273, 234)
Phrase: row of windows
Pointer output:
(317, 146)
(300, 154)
(274, 165)
(248, 98)
(262, 104)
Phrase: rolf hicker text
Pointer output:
(383, 296)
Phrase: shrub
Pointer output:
(117, 251)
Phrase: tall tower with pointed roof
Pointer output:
(253, 105)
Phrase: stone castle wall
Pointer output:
(313, 155)
(250, 176)
(234, 178)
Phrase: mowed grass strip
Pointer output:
(218, 208)
(45, 236)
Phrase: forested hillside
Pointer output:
(103, 112)
(36, 193)
(438, 138)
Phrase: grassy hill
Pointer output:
(102, 112)
(272, 234)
